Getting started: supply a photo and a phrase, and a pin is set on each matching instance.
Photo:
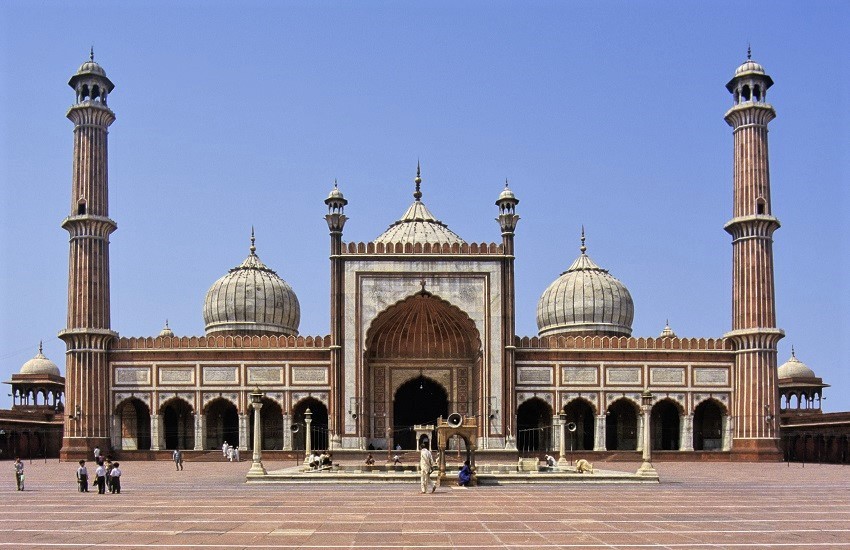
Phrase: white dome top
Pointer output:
(585, 299)
(251, 299)
(166, 330)
(40, 365)
(418, 225)
(794, 368)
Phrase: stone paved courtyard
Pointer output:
(711, 505)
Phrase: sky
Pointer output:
(602, 114)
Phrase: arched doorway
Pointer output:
(417, 401)
(318, 426)
(708, 426)
(272, 426)
(421, 336)
(621, 426)
(135, 421)
(580, 412)
(222, 420)
(665, 423)
(534, 426)
(179, 424)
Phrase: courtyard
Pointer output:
(208, 505)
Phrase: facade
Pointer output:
(422, 325)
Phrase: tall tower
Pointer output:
(336, 222)
(508, 221)
(88, 332)
(754, 331)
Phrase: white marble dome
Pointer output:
(794, 368)
(585, 299)
(40, 365)
(418, 225)
(251, 299)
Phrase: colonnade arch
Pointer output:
(708, 426)
(534, 422)
(665, 425)
(319, 439)
(582, 413)
(271, 426)
(621, 425)
(134, 422)
(178, 422)
(222, 423)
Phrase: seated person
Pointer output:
(313, 460)
(550, 461)
(325, 459)
(465, 475)
(369, 460)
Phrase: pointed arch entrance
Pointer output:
(222, 419)
(421, 340)
(534, 426)
(708, 426)
(135, 421)
(418, 401)
(178, 424)
(319, 440)
(621, 426)
(665, 424)
(580, 412)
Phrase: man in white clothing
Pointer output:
(426, 465)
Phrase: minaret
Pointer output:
(754, 331)
(88, 330)
(336, 221)
(508, 220)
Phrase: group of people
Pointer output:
(319, 461)
(230, 452)
(107, 475)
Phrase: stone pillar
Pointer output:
(257, 462)
(727, 432)
(116, 432)
(156, 421)
(287, 432)
(562, 440)
(308, 420)
(600, 436)
(640, 432)
(200, 431)
(243, 432)
(686, 439)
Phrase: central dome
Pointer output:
(585, 299)
(418, 225)
(251, 299)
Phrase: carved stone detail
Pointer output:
(711, 376)
(139, 376)
(220, 374)
(309, 375)
(265, 375)
(534, 375)
(579, 375)
(623, 375)
(170, 375)
(667, 375)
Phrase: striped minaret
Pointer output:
(88, 331)
(754, 331)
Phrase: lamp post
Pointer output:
(562, 450)
(257, 468)
(308, 420)
(646, 469)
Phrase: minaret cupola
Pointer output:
(336, 209)
(507, 202)
(90, 82)
(750, 82)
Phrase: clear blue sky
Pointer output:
(604, 114)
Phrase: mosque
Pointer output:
(423, 326)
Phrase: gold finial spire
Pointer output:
(506, 183)
(253, 248)
(418, 193)
(583, 248)
(166, 323)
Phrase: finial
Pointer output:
(583, 248)
(253, 248)
(39, 346)
(335, 185)
(506, 183)
(91, 54)
(166, 323)
(792, 353)
(422, 284)
(418, 193)
(749, 52)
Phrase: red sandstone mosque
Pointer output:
(422, 326)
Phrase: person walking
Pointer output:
(224, 447)
(83, 477)
(177, 456)
(115, 477)
(100, 479)
(426, 465)
(19, 474)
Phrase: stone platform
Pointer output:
(486, 475)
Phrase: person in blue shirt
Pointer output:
(464, 477)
